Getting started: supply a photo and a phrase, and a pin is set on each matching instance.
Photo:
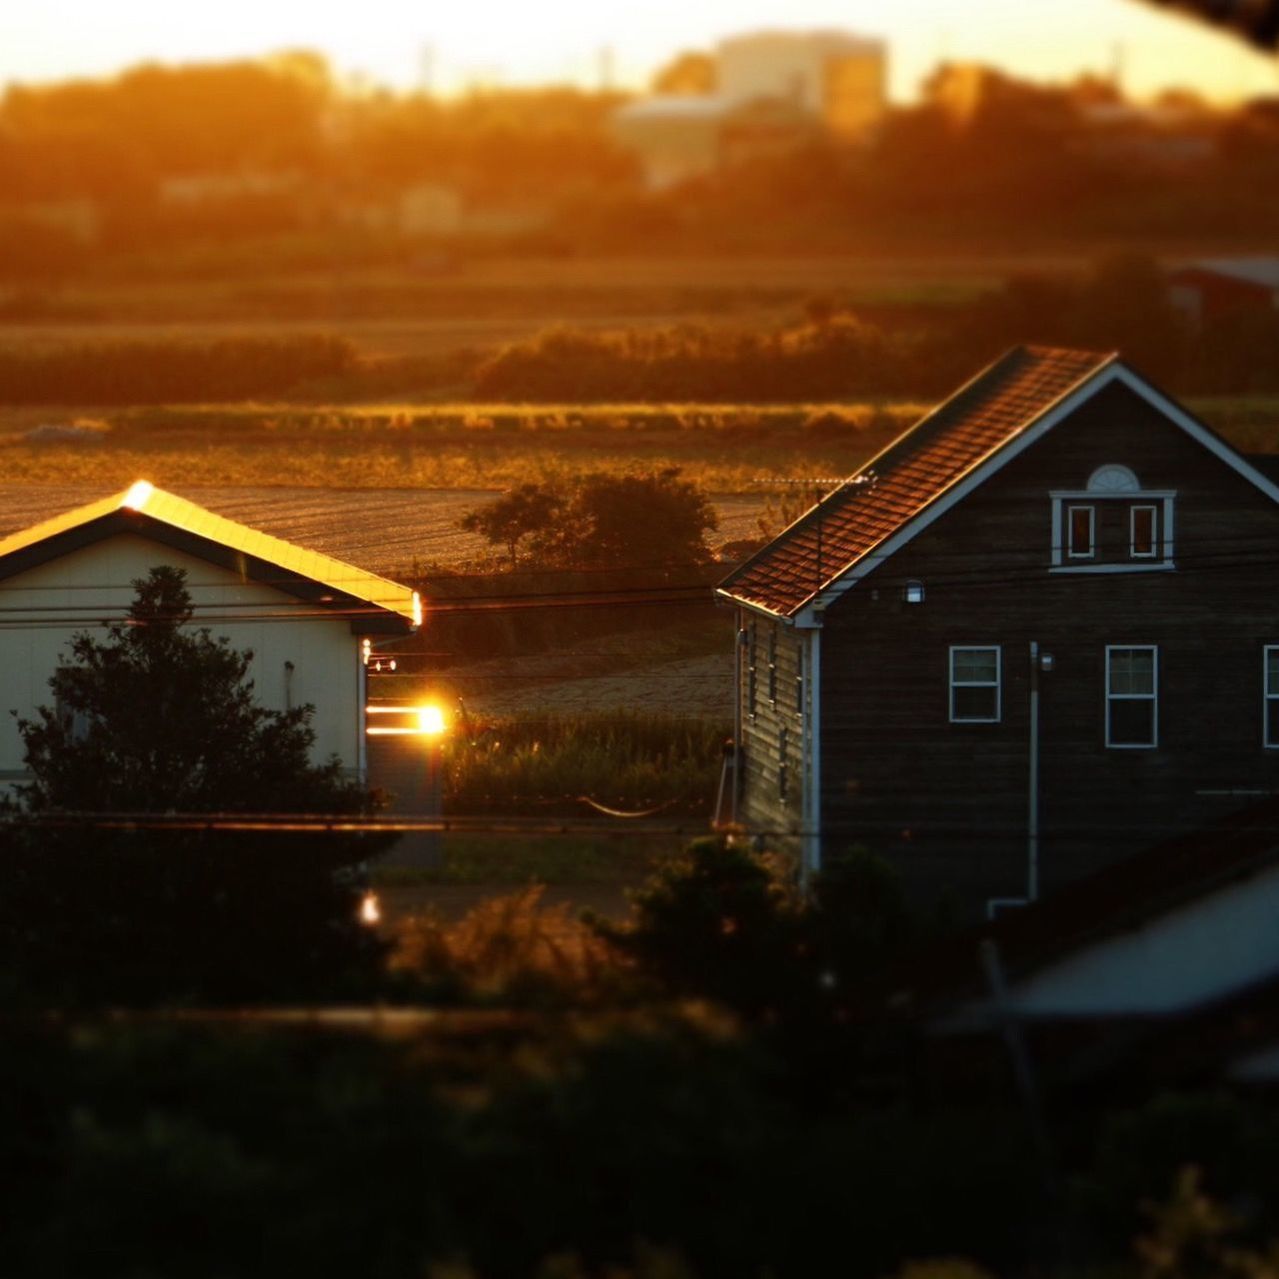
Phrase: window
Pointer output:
(1113, 525)
(1270, 706)
(974, 685)
(913, 592)
(1081, 523)
(1143, 532)
(1132, 698)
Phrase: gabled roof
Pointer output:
(373, 603)
(910, 475)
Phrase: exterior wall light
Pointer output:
(913, 593)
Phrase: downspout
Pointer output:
(1032, 790)
(813, 774)
(361, 711)
(740, 640)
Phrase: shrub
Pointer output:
(512, 948)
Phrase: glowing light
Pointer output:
(370, 909)
(417, 610)
(430, 720)
(427, 720)
(136, 498)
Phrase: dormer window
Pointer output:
(1081, 526)
(1112, 525)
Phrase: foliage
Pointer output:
(160, 718)
(131, 373)
(718, 921)
(530, 510)
(603, 520)
(619, 760)
(490, 1141)
(154, 719)
(513, 948)
(1139, 1153)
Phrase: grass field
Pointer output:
(434, 303)
(724, 448)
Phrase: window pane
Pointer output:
(1272, 670)
(1132, 723)
(976, 666)
(1132, 670)
(975, 703)
(1272, 721)
(1143, 530)
(1080, 530)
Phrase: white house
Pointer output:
(305, 616)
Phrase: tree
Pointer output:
(523, 512)
(160, 718)
(603, 521)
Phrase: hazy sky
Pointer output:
(517, 41)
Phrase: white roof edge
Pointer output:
(1114, 370)
(1065, 404)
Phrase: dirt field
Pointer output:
(383, 530)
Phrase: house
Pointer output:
(1038, 631)
(838, 78)
(306, 617)
(775, 92)
(1210, 288)
(677, 138)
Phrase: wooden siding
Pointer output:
(948, 802)
(772, 727)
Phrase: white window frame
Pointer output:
(1133, 552)
(1164, 502)
(1268, 695)
(1091, 552)
(1152, 697)
(997, 683)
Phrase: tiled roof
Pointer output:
(909, 475)
(144, 505)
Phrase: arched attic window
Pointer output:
(1112, 525)
(1113, 479)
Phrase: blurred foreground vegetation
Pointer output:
(703, 1091)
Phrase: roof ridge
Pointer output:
(1017, 375)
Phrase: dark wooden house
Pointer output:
(1036, 633)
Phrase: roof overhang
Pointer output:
(1113, 373)
(366, 617)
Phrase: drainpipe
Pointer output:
(1032, 790)
(813, 778)
(736, 804)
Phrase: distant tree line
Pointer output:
(1123, 305)
(278, 149)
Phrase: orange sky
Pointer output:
(513, 41)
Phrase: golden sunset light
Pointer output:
(452, 47)
(639, 640)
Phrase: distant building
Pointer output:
(678, 138)
(775, 91)
(839, 78)
(1212, 287)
